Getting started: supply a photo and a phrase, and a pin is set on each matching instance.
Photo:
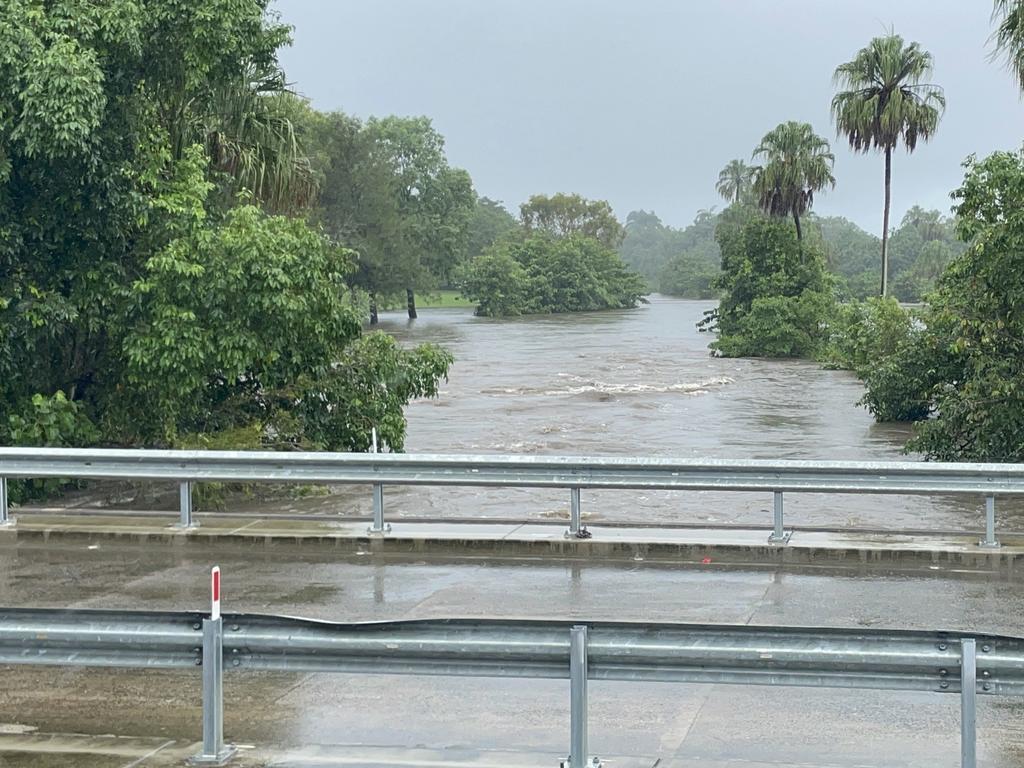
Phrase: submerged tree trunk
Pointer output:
(410, 303)
(373, 309)
(885, 222)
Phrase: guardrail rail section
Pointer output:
(379, 470)
(943, 662)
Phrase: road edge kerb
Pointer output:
(915, 550)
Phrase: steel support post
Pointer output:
(215, 751)
(379, 526)
(576, 529)
(185, 505)
(990, 539)
(778, 535)
(968, 702)
(578, 755)
(5, 511)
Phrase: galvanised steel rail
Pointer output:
(944, 662)
(378, 470)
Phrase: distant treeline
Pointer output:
(685, 262)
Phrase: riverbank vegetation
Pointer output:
(549, 274)
(955, 365)
(164, 276)
(189, 250)
(561, 257)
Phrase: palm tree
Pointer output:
(246, 127)
(796, 163)
(734, 180)
(1009, 35)
(884, 102)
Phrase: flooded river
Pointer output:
(640, 382)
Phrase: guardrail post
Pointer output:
(578, 755)
(968, 702)
(215, 751)
(5, 512)
(185, 505)
(576, 528)
(779, 534)
(990, 539)
(378, 526)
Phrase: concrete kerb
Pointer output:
(695, 546)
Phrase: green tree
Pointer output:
(776, 293)
(147, 296)
(562, 215)
(542, 274)
(489, 223)
(961, 372)
(919, 251)
(734, 180)
(678, 262)
(434, 201)
(796, 163)
(884, 102)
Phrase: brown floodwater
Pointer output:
(642, 383)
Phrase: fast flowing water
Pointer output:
(641, 383)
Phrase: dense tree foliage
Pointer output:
(677, 262)
(963, 363)
(919, 250)
(546, 274)
(776, 293)
(562, 215)
(886, 102)
(489, 222)
(388, 192)
(796, 163)
(148, 296)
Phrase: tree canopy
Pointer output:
(796, 163)
(962, 365)
(546, 274)
(562, 215)
(775, 292)
(735, 180)
(151, 290)
(884, 102)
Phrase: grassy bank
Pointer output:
(443, 299)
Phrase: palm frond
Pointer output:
(796, 163)
(884, 98)
(1009, 35)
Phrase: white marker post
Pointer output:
(215, 751)
(215, 593)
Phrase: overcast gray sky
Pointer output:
(641, 102)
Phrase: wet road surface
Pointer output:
(381, 720)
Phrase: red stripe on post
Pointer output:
(215, 592)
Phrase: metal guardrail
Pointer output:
(378, 470)
(944, 662)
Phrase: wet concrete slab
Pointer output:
(374, 720)
(539, 540)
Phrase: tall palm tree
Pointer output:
(883, 102)
(796, 163)
(1009, 35)
(734, 180)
